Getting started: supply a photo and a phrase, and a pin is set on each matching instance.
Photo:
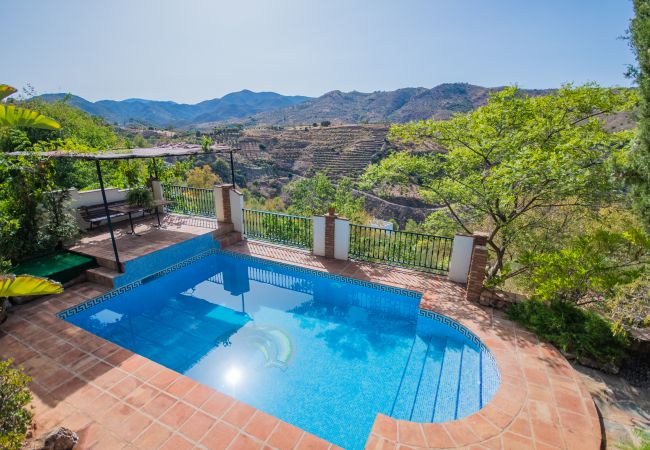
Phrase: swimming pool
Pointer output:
(322, 352)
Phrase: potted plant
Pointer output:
(140, 196)
(24, 285)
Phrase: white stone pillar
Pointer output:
(318, 246)
(341, 238)
(219, 209)
(236, 209)
(461, 257)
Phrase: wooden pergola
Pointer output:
(172, 150)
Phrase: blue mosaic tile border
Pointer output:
(129, 286)
(368, 284)
(462, 330)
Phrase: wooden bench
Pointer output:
(95, 214)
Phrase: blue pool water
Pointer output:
(324, 353)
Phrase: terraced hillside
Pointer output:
(338, 150)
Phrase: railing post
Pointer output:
(236, 203)
(477, 267)
(318, 235)
(461, 257)
(330, 226)
(341, 238)
(222, 202)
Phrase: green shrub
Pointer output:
(14, 397)
(572, 329)
(140, 196)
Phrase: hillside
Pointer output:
(268, 108)
(402, 105)
(236, 105)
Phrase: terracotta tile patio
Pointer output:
(116, 399)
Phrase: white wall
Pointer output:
(236, 207)
(94, 197)
(319, 235)
(461, 257)
(341, 238)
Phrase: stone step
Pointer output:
(103, 276)
(223, 228)
(108, 263)
(229, 239)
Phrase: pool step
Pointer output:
(441, 381)
(102, 275)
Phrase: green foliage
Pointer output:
(638, 170)
(14, 397)
(573, 329)
(76, 125)
(590, 268)
(202, 177)
(206, 142)
(314, 195)
(511, 164)
(57, 223)
(325, 123)
(643, 441)
(139, 196)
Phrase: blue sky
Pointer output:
(192, 50)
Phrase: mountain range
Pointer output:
(270, 108)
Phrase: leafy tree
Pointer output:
(314, 195)
(638, 173)
(513, 162)
(14, 398)
(325, 123)
(590, 268)
(202, 177)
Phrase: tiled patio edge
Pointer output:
(117, 399)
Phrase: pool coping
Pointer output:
(523, 413)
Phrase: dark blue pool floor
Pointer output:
(320, 353)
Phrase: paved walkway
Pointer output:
(116, 399)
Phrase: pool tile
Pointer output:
(153, 437)
(141, 395)
(177, 415)
(126, 386)
(285, 436)
(133, 426)
(385, 426)
(311, 442)
(239, 414)
(197, 426)
(163, 378)
(261, 425)
(411, 433)
(181, 387)
(198, 395)
(437, 436)
(219, 437)
(177, 442)
(217, 404)
(245, 442)
(161, 403)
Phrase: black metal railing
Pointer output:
(295, 231)
(189, 200)
(413, 250)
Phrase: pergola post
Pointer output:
(232, 171)
(108, 216)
